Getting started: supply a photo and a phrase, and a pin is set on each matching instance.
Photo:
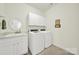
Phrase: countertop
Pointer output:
(6, 35)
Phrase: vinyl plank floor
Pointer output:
(53, 50)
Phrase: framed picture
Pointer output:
(57, 23)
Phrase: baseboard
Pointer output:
(71, 50)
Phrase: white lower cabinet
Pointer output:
(14, 45)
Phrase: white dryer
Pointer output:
(47, 38)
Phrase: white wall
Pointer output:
(19, 11)
(1, 9)
(66, 37)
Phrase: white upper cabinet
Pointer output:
(35, 19)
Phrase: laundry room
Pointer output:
(39, 28)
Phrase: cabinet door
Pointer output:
(7, 48)
(14, 45)
(22, 45)
(35, 19)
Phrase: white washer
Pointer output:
(36, 42)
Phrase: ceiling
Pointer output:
(42, 6)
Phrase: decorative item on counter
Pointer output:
(57, 23)
(15, 25)
(3, 24)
